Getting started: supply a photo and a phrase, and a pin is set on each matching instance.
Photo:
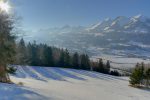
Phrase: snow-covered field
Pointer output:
(43, 83)
(121, 61)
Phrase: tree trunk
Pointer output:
(4, 77)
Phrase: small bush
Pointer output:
(11, 70)
(20, 83)
(115, 73)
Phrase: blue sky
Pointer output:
(38, 14)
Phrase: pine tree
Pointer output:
(107, 67)
(29, 54)
(67, 59)
(147, 77)
(101, 66)
(142, 72)
(135, 78)
(34, 54)
(21, 53)
(137, 75)
(85, 62)
(40, 54)
(75, 61)
(61, 59)
(7, 45)
(48, 56)
(88, 67)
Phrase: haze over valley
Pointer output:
(74, 50)
(126, 38)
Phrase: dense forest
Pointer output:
(43, 55)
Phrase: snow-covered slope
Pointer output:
(44, 83)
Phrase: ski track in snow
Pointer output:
(51, 83)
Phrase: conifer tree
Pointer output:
(61, 59)
(85, 62)
(48, 56)
(40, 54)
(137, 75)
(21, 53)
(29, 54)
(7, 45)
(147, 77)
(67, 59)
(88, 67)
(142, 72)
(101, 66)
(107, 67)
(34, 54)
(75, 60)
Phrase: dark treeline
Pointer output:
(102, 67)
(43, 55)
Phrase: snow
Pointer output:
(126, 27)
(14, 92)
(139, 44)
(106, 28)
(121, 61)
(121, 44)
(50, 83)
(94, 26)
(121, 20)
(99, 34)
(109, 39)
(141, 17)
(134, 20)
(113, 23)
(137, 16)
(109, 30)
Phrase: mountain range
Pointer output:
(121, 36)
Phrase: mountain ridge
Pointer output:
(123, 36)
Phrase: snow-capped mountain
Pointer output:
(125, 36)
(99, 27)
(133, 24)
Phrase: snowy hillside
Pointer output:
(43, 83)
